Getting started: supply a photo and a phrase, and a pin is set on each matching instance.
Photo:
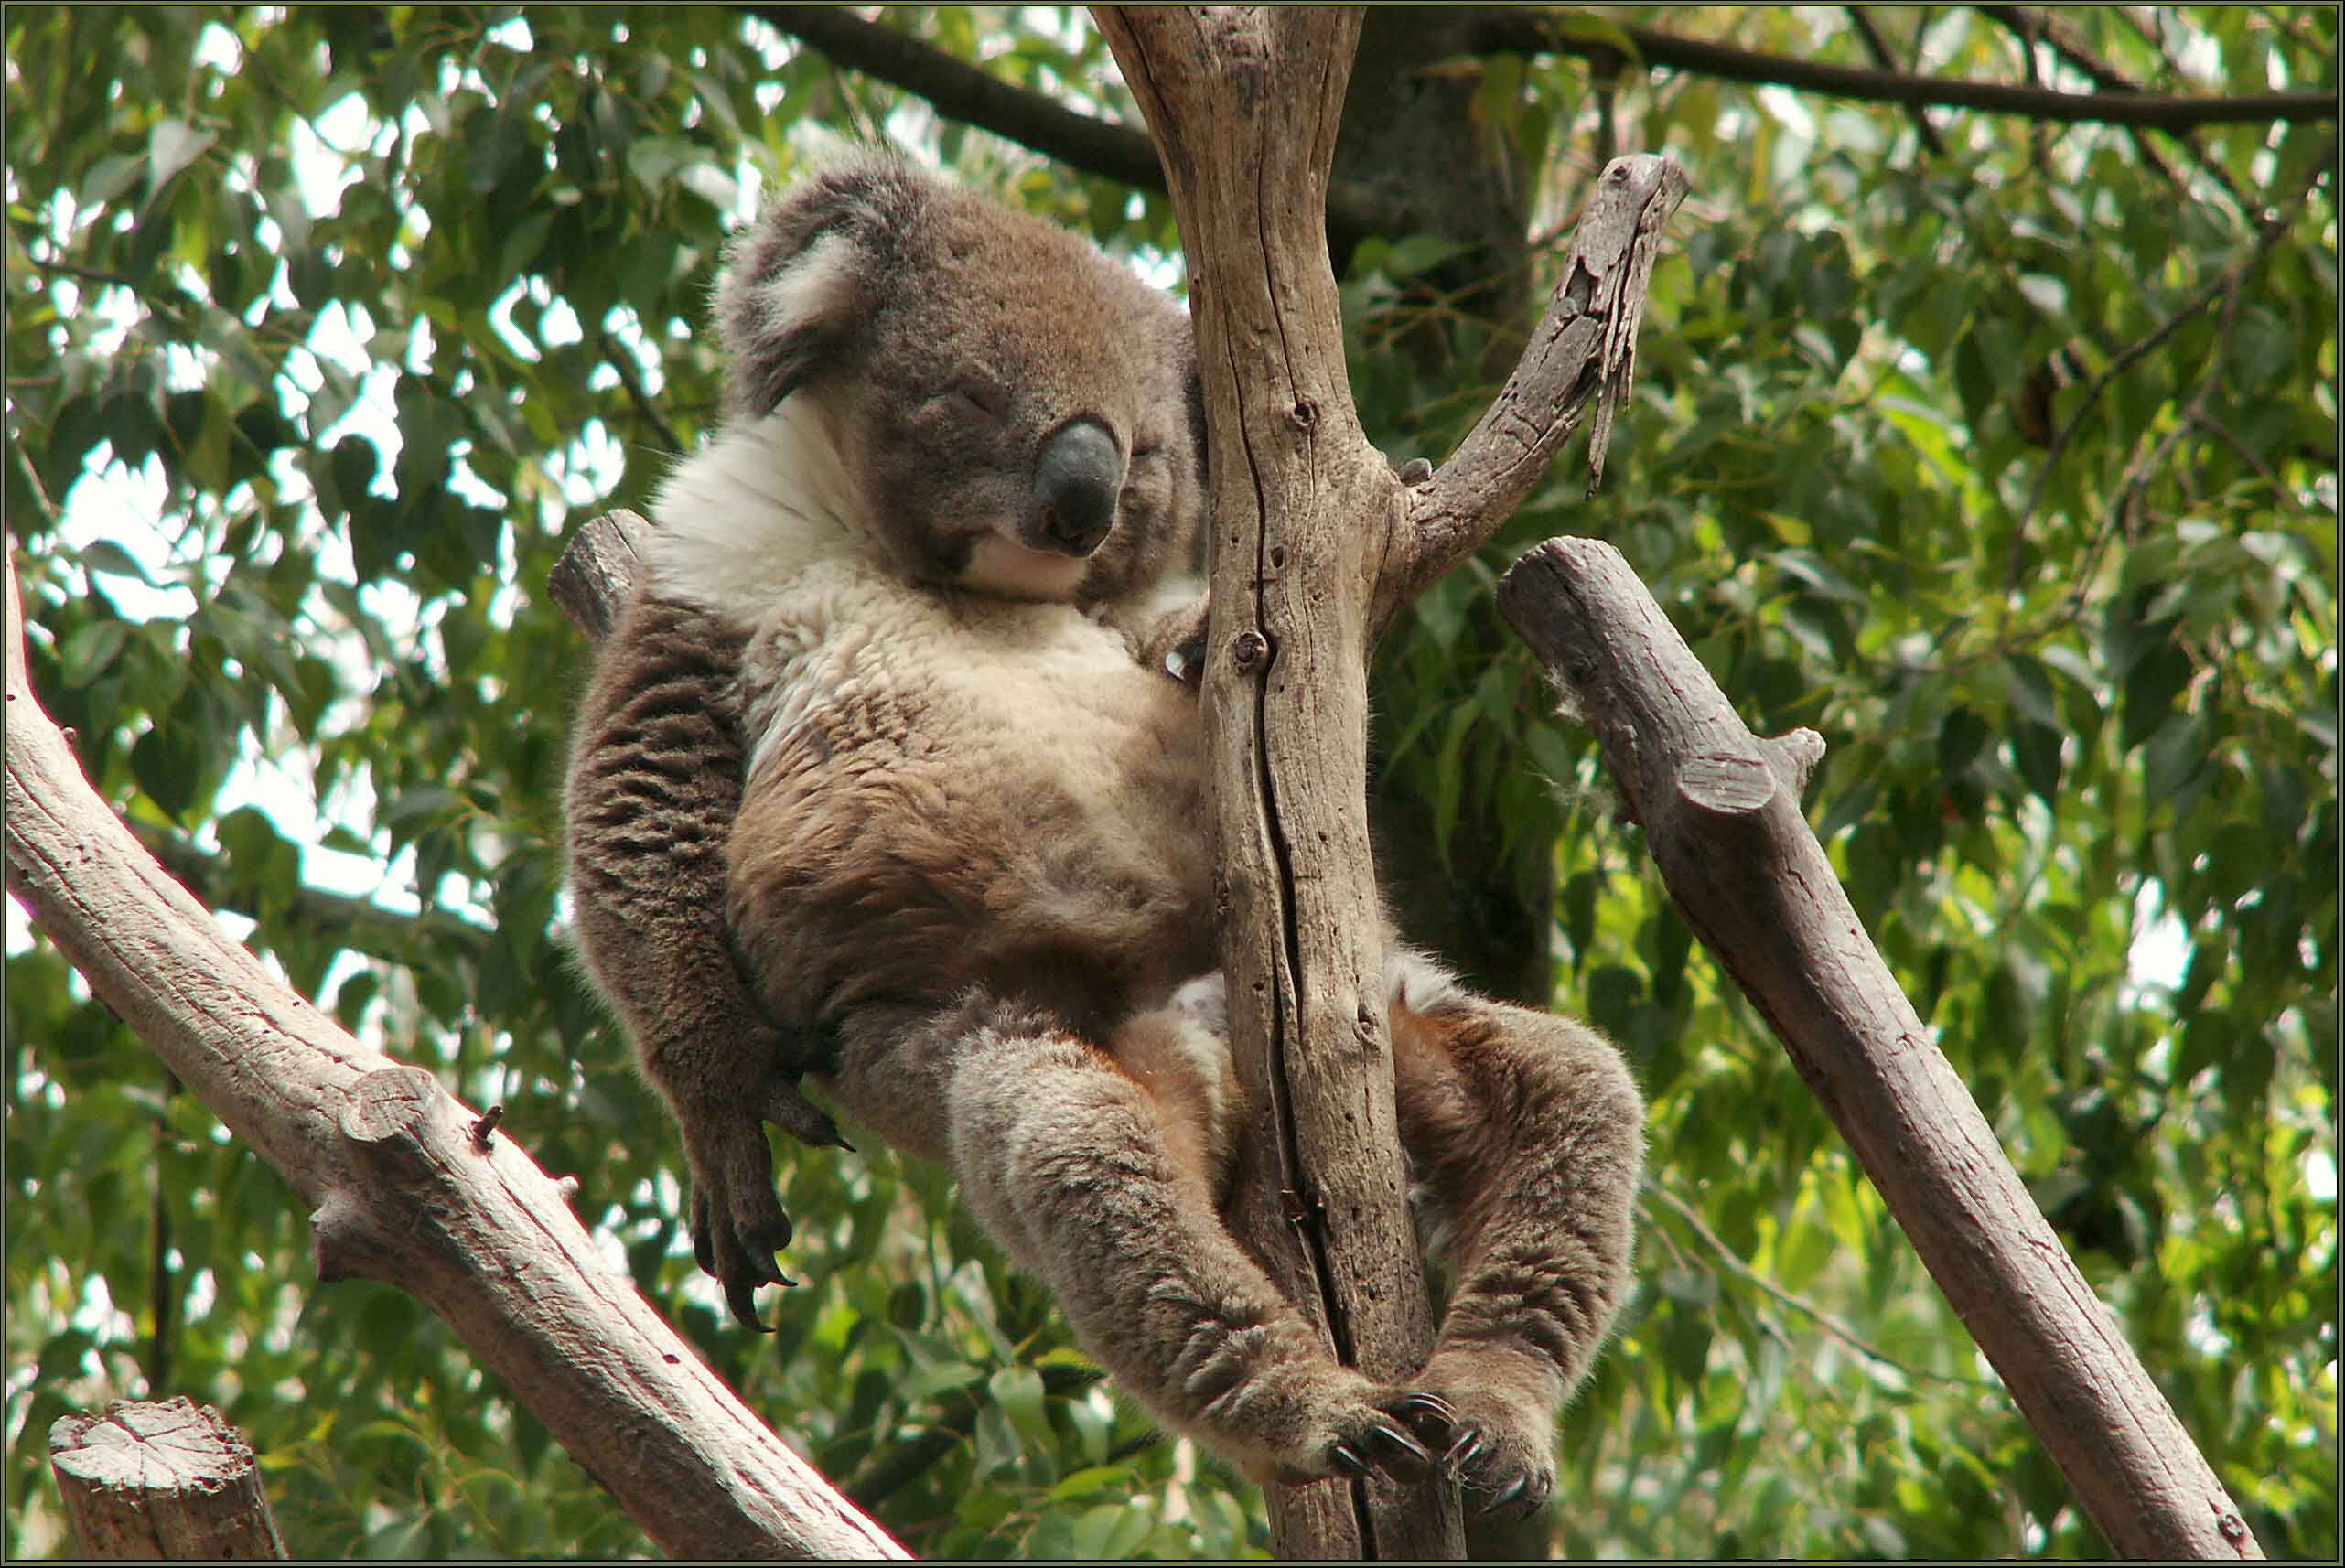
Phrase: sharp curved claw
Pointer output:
(1398, 1455)
(743, 1300)
(1429, 1415)
(1463, 1450)
(1347, 1459)
(1505, 1496)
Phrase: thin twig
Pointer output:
(2107, 78)
(2138, 473)
(1823, 1319)
(622, 364)
(2229, 437)
(1879, 47)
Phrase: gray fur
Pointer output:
(868, 763)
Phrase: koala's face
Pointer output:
(1019, 412)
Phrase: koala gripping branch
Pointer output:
(407, 1185)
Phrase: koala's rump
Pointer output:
(988, 796)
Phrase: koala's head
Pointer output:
(1020, 413)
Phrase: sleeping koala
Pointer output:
(870, 762)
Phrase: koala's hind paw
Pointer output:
(1381, 1442)
(737, 1223)
(1503, 1473)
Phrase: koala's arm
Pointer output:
(656, 771)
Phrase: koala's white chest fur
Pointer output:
(945, 790)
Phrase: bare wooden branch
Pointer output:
(1583, 352)
(167, 1479)
(1530, 30)
(383, 1157)
(1721, 814)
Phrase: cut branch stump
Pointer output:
(165, 1479)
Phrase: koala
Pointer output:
(868, 786)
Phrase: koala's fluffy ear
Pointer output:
(797, 280)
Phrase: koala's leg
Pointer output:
(1090, 1183)
(1529, 1133)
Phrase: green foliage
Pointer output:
(288, 461)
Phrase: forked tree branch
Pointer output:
(1583, 353)
(404, 1183)
(1245, 104)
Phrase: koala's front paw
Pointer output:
(1505, 1468)
(737, 1223)
(1176, 644)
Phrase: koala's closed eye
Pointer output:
(976, 390)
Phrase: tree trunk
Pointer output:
(1315, 545)
(1721, 813)
(1244, 106)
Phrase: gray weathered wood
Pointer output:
(597, 571)
(1721, 813)
(1315, 546)
(1583, 353)
(1245, 104)
(167, 1479)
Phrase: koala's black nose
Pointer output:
(1077, 479)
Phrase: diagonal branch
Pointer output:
(2268, 236)
(972, 95)
(1879, 47)
(1720, 808)
(2025, 26)
(403, 1182)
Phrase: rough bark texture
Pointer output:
(1721, 813)
(1314, 549)
(401, 1187)
(1244, 106)
(163, 1480)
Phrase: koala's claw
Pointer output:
(1397, 1453)
(737, 1223)
(1520, 1499)
(1498, 1486)
(1379, 1442)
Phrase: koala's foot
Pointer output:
(1503, 1455)
(1362, 1438)
(737, 1223)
